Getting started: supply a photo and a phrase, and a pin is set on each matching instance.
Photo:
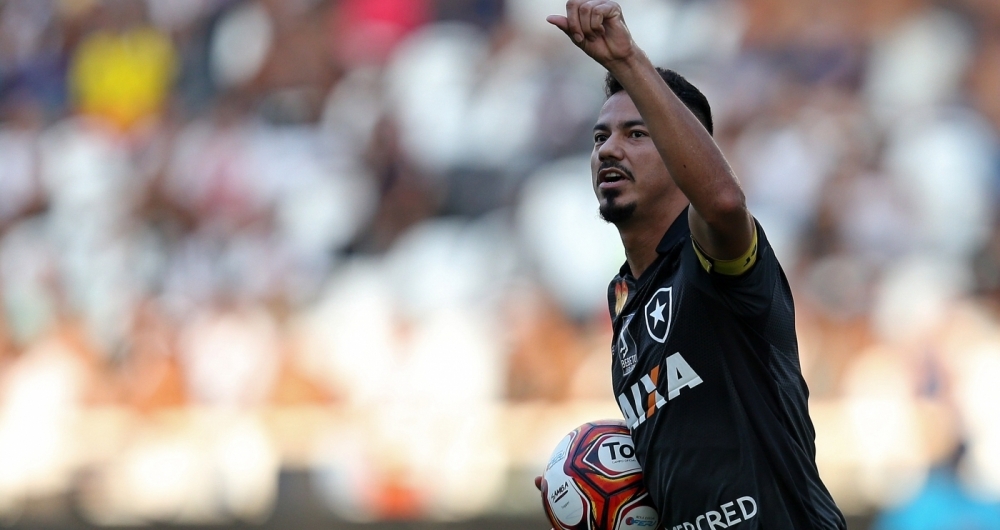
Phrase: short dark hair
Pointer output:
(692, 98)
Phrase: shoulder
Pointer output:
(746, 284)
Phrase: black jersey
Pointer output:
(706, 373)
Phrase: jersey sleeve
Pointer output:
(745, 284)
(731, 267)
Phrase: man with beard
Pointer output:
(705, 368)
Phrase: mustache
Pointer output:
(613, 164)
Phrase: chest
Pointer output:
(668, 347)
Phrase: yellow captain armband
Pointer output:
(729, 267)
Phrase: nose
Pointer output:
(611, 149)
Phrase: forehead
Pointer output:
(617, 110)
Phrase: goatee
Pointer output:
(614, 212)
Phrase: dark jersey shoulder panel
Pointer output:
(706, 373)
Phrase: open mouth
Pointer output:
(612, 177)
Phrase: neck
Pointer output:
(641, 235)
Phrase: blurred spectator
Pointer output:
(152, 373)
(124, 69)
(942, 504)
(546, 349)
(41, 394)
(367, 31)
(20, 188)
(230, 356)
(984, 77)
(33, 60)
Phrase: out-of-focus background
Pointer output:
(317, 263)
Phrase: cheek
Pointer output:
(656, 171)
(651, 159)
(652, 183)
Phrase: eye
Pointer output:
(637, 134)
(600, 138)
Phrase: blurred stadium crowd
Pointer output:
(357, 238)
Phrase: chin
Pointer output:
(616, 212)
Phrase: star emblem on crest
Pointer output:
(659, 311)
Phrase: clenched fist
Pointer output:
(598, 28)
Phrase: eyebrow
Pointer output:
(625, 125)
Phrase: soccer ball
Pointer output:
(593, 481)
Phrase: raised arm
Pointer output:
(720, 222)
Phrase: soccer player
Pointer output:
(705, 368)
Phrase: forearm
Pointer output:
(720, 221)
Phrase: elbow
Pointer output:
(728, 208)
(732, 202)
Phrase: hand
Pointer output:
(598, 28)
(538, 484)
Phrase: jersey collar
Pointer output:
(678, 232)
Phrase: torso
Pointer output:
(705, 373)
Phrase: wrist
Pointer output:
(632, 62)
